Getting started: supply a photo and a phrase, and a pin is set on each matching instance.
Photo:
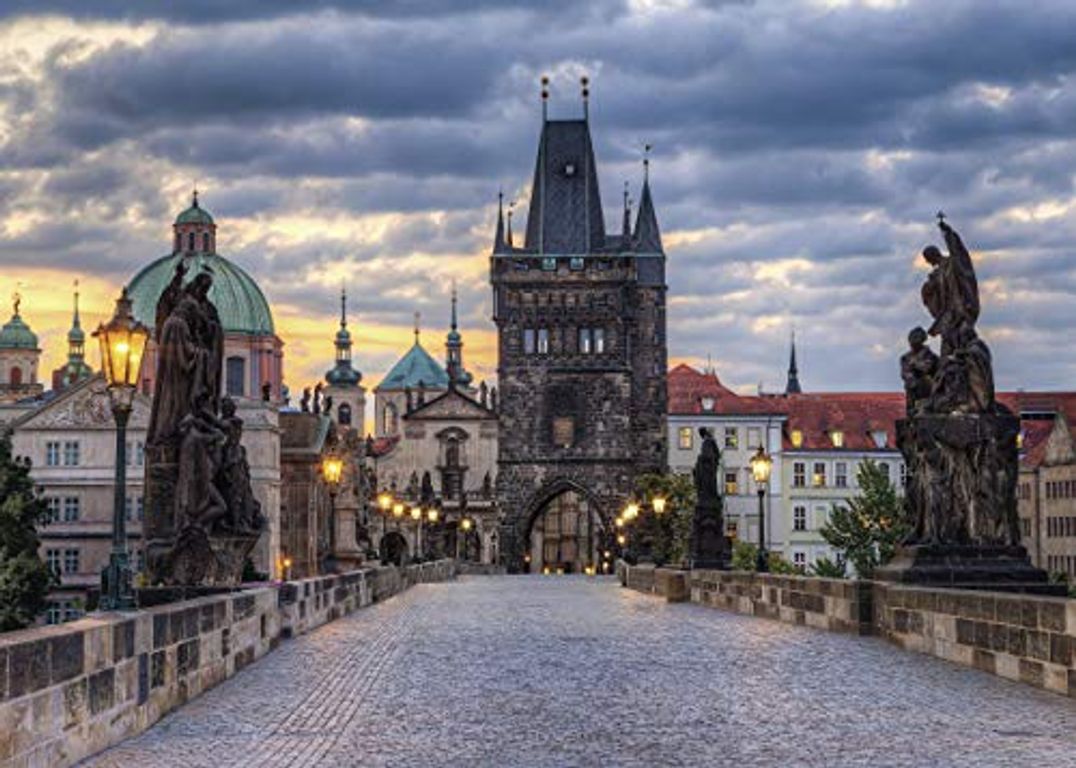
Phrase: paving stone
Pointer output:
(566, 671)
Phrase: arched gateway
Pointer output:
(580, 317)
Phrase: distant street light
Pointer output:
(332, 472)
(761, 464)
(123, 340)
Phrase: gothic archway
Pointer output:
(565, 531)
(394, 548)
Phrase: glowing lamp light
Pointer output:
(416, 513)
(619, 522)
(398, 509)
(761, 464)
(466, 524)
(631, 511)
(123, 340)
(287, 562)
(332, 470)
(621, 539)
(432, 514)
(659, 505)
(384, 502)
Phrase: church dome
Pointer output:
(238, 299)
(17, 335)
(194, 215)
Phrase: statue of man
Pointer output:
(706, 470)
(951, 292)
(917, 368)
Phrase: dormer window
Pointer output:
(837, 438)
(707, 403)
(797, 438)
(880, 437)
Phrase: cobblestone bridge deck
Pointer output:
(567, 671)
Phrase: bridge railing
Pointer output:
(72, 690)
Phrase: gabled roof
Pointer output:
(85, 405)
(414, 368)
(856, 415)
(451, 405)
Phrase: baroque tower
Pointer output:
(580, 318)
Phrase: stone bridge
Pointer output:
(574, 671)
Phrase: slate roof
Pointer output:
(687, 387)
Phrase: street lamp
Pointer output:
(384, 501)
(658, 503)
(631, 511)
(761, 464)
(332, 471)
(123, 340)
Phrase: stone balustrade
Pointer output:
(1025, 638)
(72, 690)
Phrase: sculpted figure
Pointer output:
(198, 501)
(917, 368)
(706, 467)
(304, 403)
(317, 398)
(951, 292)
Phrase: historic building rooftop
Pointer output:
(16, 334)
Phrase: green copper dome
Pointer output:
(17, 335)
(195, 214)
(414, 368)
(241, 304)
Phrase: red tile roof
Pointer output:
(855, 414)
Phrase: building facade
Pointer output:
(344, 381)
(580, 318)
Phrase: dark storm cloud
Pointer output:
(800, 154)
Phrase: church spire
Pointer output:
(343, 374)
(792, 387)
(454, 348)
(626, 228)
(498, 237)
(647, 232)
(511, 207)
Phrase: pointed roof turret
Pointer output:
(647, 232)
(625, 230)
(792, 387)
(457, 375)
(511, 207)
(498, 237)
(75, 369)
(343, 374)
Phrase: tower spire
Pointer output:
(418, 317)
(343, 307)
(584, 84)
(498, 237)
(647, 232)
(75, 321)
(792, 387)
(626, 228)
(454, 323)
(511, 207)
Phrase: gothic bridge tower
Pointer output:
(580, 316)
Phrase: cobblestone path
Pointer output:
(532, 671)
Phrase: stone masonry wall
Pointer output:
(1025, 638)
(72, 690)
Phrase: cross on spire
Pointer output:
(418, 318)
(343, 306)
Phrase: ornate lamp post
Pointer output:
(332, 472)
(432, 516)
(761, 464)
(123, 340)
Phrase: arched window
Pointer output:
(205, 242)
(16, 376)
(235, 375)
(452, 452)
(343, 415)
(389, 419)
(190, 241)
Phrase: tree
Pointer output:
(826, 568)
(868, 529)
(25, 579)
(665, 536)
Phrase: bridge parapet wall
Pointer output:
(72, 690)
(1025, 638)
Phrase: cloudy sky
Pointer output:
(800, 153)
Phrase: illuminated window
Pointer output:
(599, 341)
(818, 478)
(1020, 441)
(584, 341)
(797, 438)
(837, 437)
(731, 484)
(732, 438)
(563, 431)
(732, 529)
(685, 438)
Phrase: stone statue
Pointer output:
(483, 394)
(201, 517)
(427, 494)
(918, 367)
(317, 398)
(409, 399)
(709, 547)
(959, 445)
(328, 405)
(493, 399)
(487, 486)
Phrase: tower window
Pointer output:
(563, 431)
(549, 264)
(205, 242)
(190, 241)
(16, 376)
(543, 341)
(599, 341)
(585, 341)
(528, 341)
(576, 263)
(235, 370)
(343, 415)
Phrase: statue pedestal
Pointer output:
(709, 547)
(988, 568)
